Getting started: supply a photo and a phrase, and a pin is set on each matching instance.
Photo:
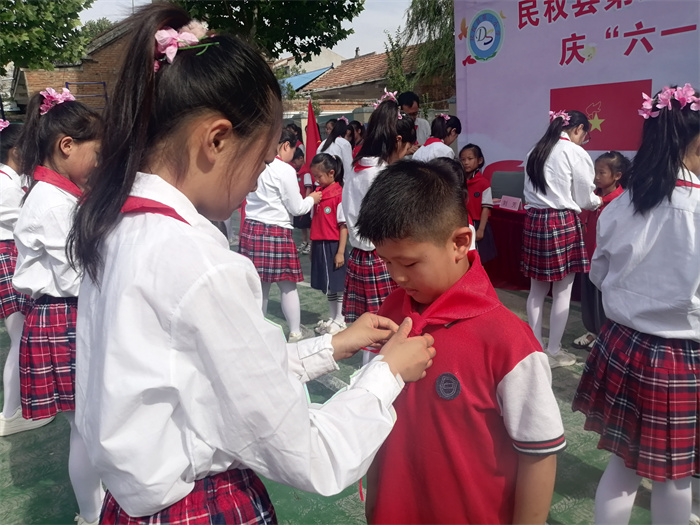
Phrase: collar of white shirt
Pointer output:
(150, 186)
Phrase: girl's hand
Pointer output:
(409, 356)
(316, 196)
(339, 260)
(479, 234)
(368, 330)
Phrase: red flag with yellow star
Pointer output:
(611, 109)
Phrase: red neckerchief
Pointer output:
(607, 199)
(432, 140)
(359, 168)
(469, 297)
(143, 205)
(687, 184)
(51, 177)
(331, 191)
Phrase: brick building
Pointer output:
(99, 66)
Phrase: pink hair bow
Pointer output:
(344, 119)
(563, 114)
(443, 115)
(4, 124)
(52, 98)
(684, 95)
(168, 41)
(388, 95)
(648, 107)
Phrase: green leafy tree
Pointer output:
(92, 28)
(36, 33)
(431, 23)
(299, 27)
(396, 79)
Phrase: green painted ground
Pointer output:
(34, 485)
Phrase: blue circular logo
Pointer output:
(485, 35)
(447, 386)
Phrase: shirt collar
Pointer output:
(371, 162)
(153, 187)
(9, 171)
(471, 296)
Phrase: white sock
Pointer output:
(291, 307)
(561, 300)
(535, 306)
(671, 501)
(266, 295)
(83, 476)
(339, 317)
(615, 495)
(10, 376)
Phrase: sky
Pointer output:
(370, 26)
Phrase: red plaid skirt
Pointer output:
(11, 301)
(367, 283)
(641, 393)
(47, 358)
(232, 497)
(272, 250)
(552, 245)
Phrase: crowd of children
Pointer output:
(128, 312)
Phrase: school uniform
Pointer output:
(422, 130)
(368, 281)
(325, 236)
(552, 233)
(639, 389)
(182, 384)
(453, 454)
(340, 148)
(11, 195)
(479, 190)
(47, 347)
(305, 181)
(266, 236)
(433, 149)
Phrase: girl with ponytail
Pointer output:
(558, 185)
(183, 388)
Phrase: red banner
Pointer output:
(313, 139)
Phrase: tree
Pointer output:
(431, 23)
(396, 79)
(299, 27)
(37, 33)
(92, 28)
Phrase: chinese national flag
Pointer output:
(313, 139)
(611, 110)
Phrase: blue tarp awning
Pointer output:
(299, 81)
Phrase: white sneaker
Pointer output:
(305, 248)
(16, 423)
(336, 327)
(82, 521)
(295, 337)
(562, 358)
(323, 325)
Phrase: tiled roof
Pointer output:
(366, 68)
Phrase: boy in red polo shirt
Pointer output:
(475, 442)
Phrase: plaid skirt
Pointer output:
(367, 283)
(552, 245)
(11, 301)
(47, 358)
(641, 393)
(231, 497)
(272, 250)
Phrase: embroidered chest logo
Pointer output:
(448, 386)
(477, 193)
(327, 210)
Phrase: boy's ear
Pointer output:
(462, 241)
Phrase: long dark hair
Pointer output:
(40, 133)
(340, 128)
(297, 131)
(356, 126)
(8, 140)
(149, 109)
(382, 129)
(441, 126)
(541, 151)
(665, 140)
(330, 162)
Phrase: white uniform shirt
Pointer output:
(40, 235)
(422, 130)
(179, 376)
(568, 174)
(355, 187)
(342, 149)
(277, 198)
(647, 265)
(11, 194)
(433, 150)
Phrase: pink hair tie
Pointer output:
(4, 124)
(52, 98)
(560, 114)
(443, 115)
(168, 41)
(344, 119)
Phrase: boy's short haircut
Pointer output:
(407, 98)
(412, 199)
(298, 153)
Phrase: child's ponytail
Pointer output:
(442, 124)
(149, 110)
(385, 124)
(665, 139)
(540, 153)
